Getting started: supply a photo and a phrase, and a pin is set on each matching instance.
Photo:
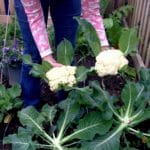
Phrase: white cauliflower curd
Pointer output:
(109, 62)
(64, 75)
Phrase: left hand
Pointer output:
(52, 61)
(103, 48)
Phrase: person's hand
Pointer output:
(104, 48)
(52, 61)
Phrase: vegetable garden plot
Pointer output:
(90, 117)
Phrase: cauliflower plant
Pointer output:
(109, 62)
(64, 75)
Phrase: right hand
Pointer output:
(52, 61)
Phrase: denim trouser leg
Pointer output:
(62, 13)
(30, 85)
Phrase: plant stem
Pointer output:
(44, 133)
(63, 125)
(136, 115)
(117, 131)
(139, 132)
(70, 137)
(115, 113)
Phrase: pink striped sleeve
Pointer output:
(35, 17)
(90, 12)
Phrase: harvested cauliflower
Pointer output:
(64, 75)
(109, 62)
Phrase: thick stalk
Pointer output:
(63, 125)
(138, 132)
(70, 137)
(117, 131)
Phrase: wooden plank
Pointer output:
(135, 12)
(4, 18)
(143, 33)
(146, 41)
(141, 19)
(2, 7)
(142, 16)
(147, 61)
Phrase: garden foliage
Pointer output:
(90, 118)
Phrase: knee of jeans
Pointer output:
(69, 33)
(65, 7)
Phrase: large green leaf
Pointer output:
(37, 70)
(5, 98)
(9, 98)
(132, 95)
(144, 74)
(83, 96)
(5, 105)
(104, 95)
(128, 41)
(144, 78)
(114, 33)
(89, 126)
(2, 90)
(22, 140)
(49, 112)
(15, 91)
(17, 103)
(93, 96)
(108, 142)
(86, 96)
(29, 117)
(101, 96)
(90, 35)
(65, 52)
(46, 66)
(27, 59)
(81, 73)
(70, 111)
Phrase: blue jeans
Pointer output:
(62, 13)
(6, 4)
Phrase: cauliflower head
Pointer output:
(64, 75)
(109, 62)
